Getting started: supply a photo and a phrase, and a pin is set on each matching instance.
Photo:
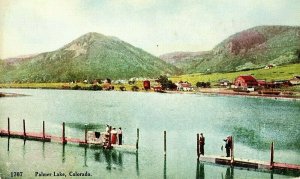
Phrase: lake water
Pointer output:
(254, 123)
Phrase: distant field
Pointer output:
(277, 73)
(64, 85)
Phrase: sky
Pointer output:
(156, 26)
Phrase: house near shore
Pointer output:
(269, 66)
(245, 81)
(157, 88)
(224, 83)
(295, 80)
(184, 86)
(265, 84)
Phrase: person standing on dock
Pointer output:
(107, 128)
(113, 136)
(202, 143)
(120, 135)
(228, 144)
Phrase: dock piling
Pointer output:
(198, 153)
(109, 138)
(272, 155)
(165, 142)
(85, 133)
(232, 151)
(8, 126)
(43, 130)
(63, 134)
(137, 138)
(24, 128)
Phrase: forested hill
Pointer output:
(91, 56)
(250, 49)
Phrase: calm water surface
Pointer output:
(254, 123)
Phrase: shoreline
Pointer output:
(226, 92)
(208, 91)
(3, 94)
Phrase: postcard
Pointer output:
(149, 89)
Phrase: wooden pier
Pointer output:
(245, 163)
(44, 137)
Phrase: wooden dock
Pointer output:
(245, 163)
(67, 140)
(63, 139)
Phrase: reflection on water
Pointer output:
(200, 170)
(229, 173)
(114, 159)
(165, 167)
(63, 153)
(85, 158)
(43, 150)
(254, 125)
(8, 141)
(137, 164)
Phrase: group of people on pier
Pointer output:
(115, 135)
(228, 145)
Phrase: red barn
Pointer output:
(245, 81)
(146, 84)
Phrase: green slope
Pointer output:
(283, 72)
(91, 56)
(250, 49)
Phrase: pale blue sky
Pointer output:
(34, 26)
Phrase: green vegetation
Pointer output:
(276, 73)
(250, 49)
(91, 56)
(166, 83)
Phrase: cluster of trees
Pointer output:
(92, 87)
(166, 83)
(203, 84)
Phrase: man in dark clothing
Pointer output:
(202, 143)
(120, 135)
(228, 145)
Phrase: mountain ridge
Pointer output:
(90, 56)
(249, 49)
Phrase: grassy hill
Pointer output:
(277, 73)
(250, 49)
(91, 56)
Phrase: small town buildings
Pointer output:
(184, 86)
(146, 85)
(269, 66)
(295, 80)
(157, 88)
(245, 81)
(224, 83)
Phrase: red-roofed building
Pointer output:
(245, 81)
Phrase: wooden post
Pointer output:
(63, 134)
(198, 153)
(165, 142)
(43, 130)
(24, 128)
(8, 126)
(109, 138)
(137, 138)
(272, 155)
(85, 133)
(232, 150)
